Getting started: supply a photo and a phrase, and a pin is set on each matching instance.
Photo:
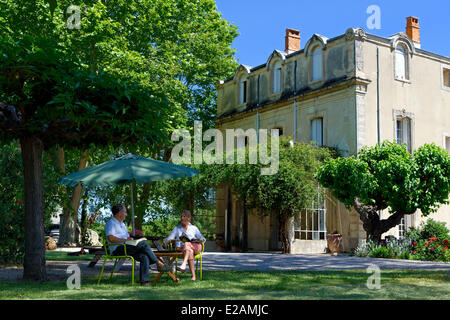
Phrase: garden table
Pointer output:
(173, 255)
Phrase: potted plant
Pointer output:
(334, 241)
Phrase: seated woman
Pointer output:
(186, 230)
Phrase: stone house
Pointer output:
(344, 92)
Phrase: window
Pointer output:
(401, 63)
(243, 91)
(446, 77)
(317, 64)
(277, 78)
(310, 224)
(317, 131)
(403, 132)
(447, 143)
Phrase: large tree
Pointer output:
(46, 100)
(180, 48)
(387, 176)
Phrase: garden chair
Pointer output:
(108, 256)
(198, 258)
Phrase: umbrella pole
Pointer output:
(132, 208)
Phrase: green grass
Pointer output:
(241, 285)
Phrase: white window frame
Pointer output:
(311, 223)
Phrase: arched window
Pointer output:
(401, 63)
(276, 78)
(317, 68)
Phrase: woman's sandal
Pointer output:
(181, 270)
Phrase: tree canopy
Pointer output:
(387, 176)
(127, 76)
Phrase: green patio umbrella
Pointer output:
(124, 170)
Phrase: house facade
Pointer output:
(345, 92)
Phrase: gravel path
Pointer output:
(56, 270)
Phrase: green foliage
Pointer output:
(429, 229)
(12, 228)
(381, 252)
(432, 249)
(388, 176)
(430, 241)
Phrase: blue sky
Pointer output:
(262, 23)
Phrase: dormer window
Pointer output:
(243, 90)
(276, 78)
(317, 68)
(401, 63)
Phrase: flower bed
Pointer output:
(429, 242)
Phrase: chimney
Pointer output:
(413, 30)
(292, 41)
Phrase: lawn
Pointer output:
(244, 285)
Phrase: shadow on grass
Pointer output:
(242, 285)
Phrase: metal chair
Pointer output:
(108, 256)
(197, 257)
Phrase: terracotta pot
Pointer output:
(334, 243)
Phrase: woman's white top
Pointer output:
(191, 232)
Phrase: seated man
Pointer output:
(116, 232)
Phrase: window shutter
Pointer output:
(243, 91)
(277, 78)
(400, 63)
(317, 131)
(317, 64)
(407, 123)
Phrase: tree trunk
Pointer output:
(68, 227)
(83, 223)
(372, 224)
(34, 261)
(284, 233)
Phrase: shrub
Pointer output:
(432, 249)
(429, 229)
(381, 252)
